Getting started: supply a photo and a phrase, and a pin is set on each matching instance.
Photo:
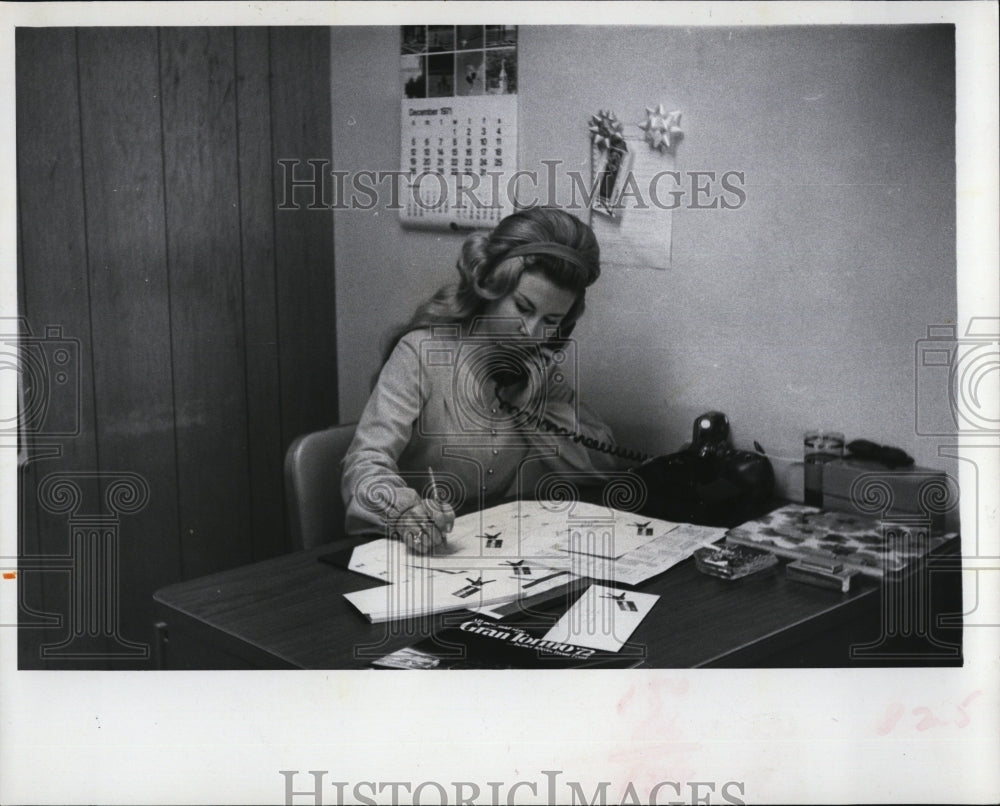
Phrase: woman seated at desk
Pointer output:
(475, 385)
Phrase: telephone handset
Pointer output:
(708, 482)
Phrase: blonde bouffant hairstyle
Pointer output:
(487, 274)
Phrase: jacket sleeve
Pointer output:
(373, 490)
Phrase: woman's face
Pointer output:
(534, 309)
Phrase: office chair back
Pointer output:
(312, 485)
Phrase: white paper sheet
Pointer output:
(542, 530)
(658, 555)
(603, 618)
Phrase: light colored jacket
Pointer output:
(428, 411)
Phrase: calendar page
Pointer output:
(458, 124)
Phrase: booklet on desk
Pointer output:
(481, 644)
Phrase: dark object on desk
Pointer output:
(883, 454)
(733, 562)
(708, 482)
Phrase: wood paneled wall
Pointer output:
(201, 313)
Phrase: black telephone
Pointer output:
(708, 482)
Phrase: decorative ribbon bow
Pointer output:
(663, 129)
(606, 130)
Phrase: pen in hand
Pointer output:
(436, 498)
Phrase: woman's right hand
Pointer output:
(424, 525)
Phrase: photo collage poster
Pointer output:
(458, 123)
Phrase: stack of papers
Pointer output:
(506, 554)
(422, 595)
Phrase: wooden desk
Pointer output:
(289, 612)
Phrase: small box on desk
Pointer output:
(864, 487)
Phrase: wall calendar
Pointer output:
(458, 124)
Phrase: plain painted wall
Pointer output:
(801, 309)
